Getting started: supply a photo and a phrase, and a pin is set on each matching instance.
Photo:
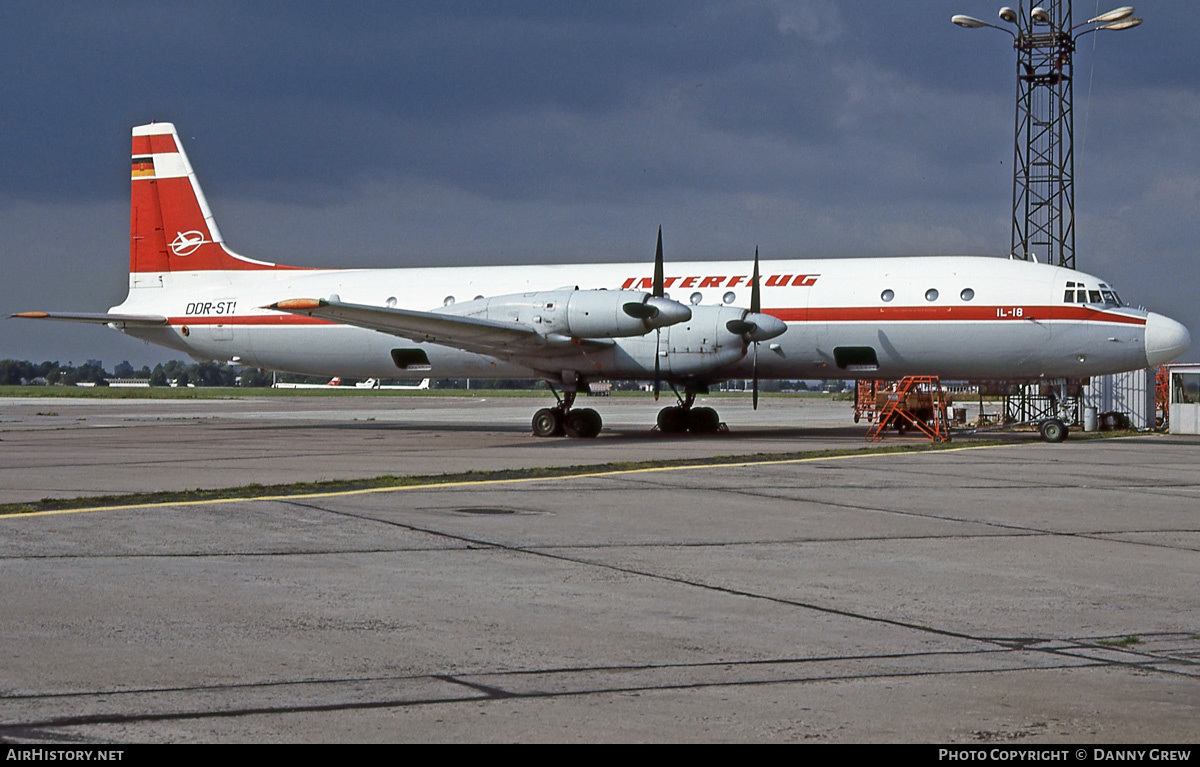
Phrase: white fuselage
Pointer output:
(990, 318)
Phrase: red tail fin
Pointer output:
(171, 228)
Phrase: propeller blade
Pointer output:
(754, 396)
(755, 308)
(755, 297)
(640, 311)
(658, 267)
(741, 327)
(657, 369)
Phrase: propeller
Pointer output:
(754, 326)
(755, 308)
(657, 292)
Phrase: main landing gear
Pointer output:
(681, 418)
(560, 420)
(585, 423)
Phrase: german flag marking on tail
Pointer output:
(143, 167)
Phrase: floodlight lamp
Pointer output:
(968, 22)
(1122, 24)
(1115, 14)
(1040, 15)
(1008, 14)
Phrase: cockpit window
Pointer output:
(1078, 293)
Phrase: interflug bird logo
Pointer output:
(185, 243)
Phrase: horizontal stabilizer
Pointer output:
(134, 320)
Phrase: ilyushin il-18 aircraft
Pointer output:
(685, 324)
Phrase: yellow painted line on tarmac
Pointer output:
(487, 482)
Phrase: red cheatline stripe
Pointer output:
(265, 320)
(845, 314)
(159, 144)
(950, 314)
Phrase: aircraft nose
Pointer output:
(1166, 339)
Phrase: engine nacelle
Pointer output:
(620, 313)
(579, 313)
(714, 338)
(703, 344)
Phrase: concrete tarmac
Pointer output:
(1027, 593)
(58, 448)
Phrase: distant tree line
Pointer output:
(173, 373)
(179, 373)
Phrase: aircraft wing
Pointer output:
(501, 339)
(130, 320)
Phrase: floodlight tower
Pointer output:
(1043, 219)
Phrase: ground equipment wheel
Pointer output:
(1053, 430)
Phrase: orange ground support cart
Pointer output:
(916, 403)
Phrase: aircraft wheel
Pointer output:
(596, 423)
(584, 423)
(704, 420)
(547, 422)
(672, 420)
(1053, 430)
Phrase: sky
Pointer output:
(456, 133)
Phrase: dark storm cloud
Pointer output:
(367, 89)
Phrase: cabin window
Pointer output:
(695, 298)
(967, 294)
(1094, 297)
(887, 295)
(1110, 297)
(931, 294)
(729, 297)
(1081, 296)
